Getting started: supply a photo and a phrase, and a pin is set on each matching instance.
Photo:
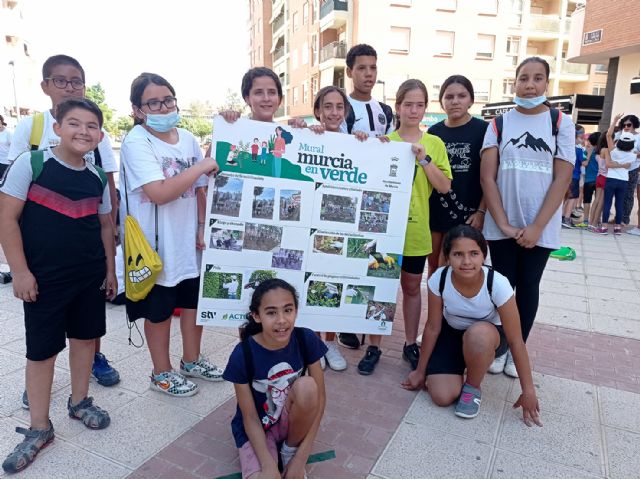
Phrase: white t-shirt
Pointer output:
(462, 312)
(22, 134)
(18, 183)
(636, 149)
(5, 143)
(622, 158)
(525, 172)
(145, 159)
(370, 118)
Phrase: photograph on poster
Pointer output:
(377, 202)
(263, 199)
(338, 208)
(258, 276)
(262, 237)
(290, 205)
(360, 247)
(220, 285)
(227, 196)
(358, 294)
(381, 311)
(287, 259)
(384, 265)
(328, 244)
(324, 294)
(224, 239)
(373, 222)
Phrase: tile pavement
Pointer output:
(585, 350)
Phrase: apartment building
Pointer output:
(605, 32)
(430, 40)
(19, 74)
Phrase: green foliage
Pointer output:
(214, 282)
(355, 248)
(200, 127)
(271, 144)
(233, 101)
(261, 275)
(96, 94)
(124, 124)
(323, 294)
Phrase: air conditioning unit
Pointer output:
(634, 86)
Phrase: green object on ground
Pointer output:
(564, 254)
(318, 457)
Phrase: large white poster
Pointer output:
(326, 213)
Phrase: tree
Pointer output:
(200, 127)
(96, 94)
(234, 102)
(124, 124)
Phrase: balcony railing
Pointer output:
(575, 68)
(278, 53)
(333, 50)
(329, 6)
(545, 23)
(277, 24)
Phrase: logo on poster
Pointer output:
(234, 317)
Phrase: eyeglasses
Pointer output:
(62, 83)
(628, 125)
(156, 105)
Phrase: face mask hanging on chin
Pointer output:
(529, 103)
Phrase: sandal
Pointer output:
(91, 416)
(24, 453)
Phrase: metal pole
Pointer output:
(15, 92)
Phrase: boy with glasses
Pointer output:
(63, 78)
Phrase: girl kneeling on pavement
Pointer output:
(276, 401)
(480, 322)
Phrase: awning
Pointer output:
(276, 13)
(326, 77)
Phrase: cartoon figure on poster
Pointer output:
(263, 153)
(254, 150)
(276, 388)
(282, 138)
(231, 157)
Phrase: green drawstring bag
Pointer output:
(564, 254)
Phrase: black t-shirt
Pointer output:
(463, 147)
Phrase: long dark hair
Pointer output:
(602, 142)
(252, 327)
(324, 91)
(406, 87)
(138, 86)
(463, 231)
(460, 80)
(543, 62)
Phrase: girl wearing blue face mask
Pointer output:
(161, 169)
(525, 171)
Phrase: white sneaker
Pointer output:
(286, 453)
(419, 340)
(634, 231)
(335, 359)
(202, 368)
(497, 366)
(173, 383)
(510, 367)
(323, 363)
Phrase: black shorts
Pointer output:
(66, 309)
(574, 189)
(447, 356)
(159, 304)
(587, 192)
(414, 264)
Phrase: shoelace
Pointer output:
(177, 378)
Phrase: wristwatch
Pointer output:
(426, 161)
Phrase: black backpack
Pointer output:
(443, 279)
(556, 119)
(248, 355)
(388, 113)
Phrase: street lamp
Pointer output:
(12, 64)
(384, 96)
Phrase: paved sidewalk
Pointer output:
(585, 350)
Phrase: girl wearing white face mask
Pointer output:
(525, 170)
(162, 171)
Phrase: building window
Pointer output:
(305, 54)
(314, 85)
(295, 95)
(482, 90)
(485, 46)
(602, 68)
(316, 10)
(435, 89)
(508, 88)
(400, 39)
(305, 92)
(487, 7)
(447, 5)
(314, 49)
(305, 13)
(513, 51)
(444, 43)
(516, 11)
(294, 21)
(599, 90)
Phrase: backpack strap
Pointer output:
(248, 361)
(388, 113)
(350, 120)
(490, 275)
(302, 347)
(496, 124)
(36, 131)
(556, 119)
(102, 175)
(443, 279)
(37, 163)
(97, 158)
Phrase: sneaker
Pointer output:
(602, 230)
(510, 367)
(497, 366)
(469, 403)
(582, 225)
(617, 230)
(348, 340)
(103, 372)
(334, 357)
(576, 214)
(367, 365)
(411, 354)
(419, 340)
(566, 223)
(174, 384)
(24, 453)
(286, 454)
(634, 231)
(25, 400)
(202, 368)
(91, 416)
(323, 363)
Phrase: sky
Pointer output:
(199, 46)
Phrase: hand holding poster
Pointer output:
(327, 213)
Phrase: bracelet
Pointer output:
(480, 210)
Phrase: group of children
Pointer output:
(610, 162)
(475, 319)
